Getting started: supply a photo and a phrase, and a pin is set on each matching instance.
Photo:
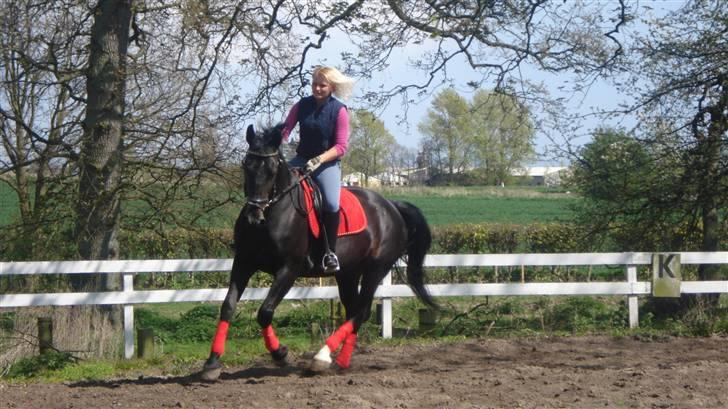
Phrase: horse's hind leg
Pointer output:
(239, 278)
(283, 282)
(349, 294)
(358, 309)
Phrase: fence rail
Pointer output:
(630, 288)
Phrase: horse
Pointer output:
(272, 235)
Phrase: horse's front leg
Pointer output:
(239, 277)
(284, 279)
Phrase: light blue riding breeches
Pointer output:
(328, 178)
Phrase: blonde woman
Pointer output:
(323, 122)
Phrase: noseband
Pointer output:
(263, 204)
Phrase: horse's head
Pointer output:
(261, 167)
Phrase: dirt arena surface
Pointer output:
(578, 372)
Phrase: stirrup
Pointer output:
(330, 263)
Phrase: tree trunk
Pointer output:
(98, 206)
(711, 191)
(22, 183)
(709, 157)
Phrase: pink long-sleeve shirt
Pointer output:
(341, 131)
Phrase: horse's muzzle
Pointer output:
(254, 214)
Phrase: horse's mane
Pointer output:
(272, 132)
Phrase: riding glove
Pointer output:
(313, 164)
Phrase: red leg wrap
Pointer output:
(218, 343)
(270, 339)
(344, 358)
(339, 336)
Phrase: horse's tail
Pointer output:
(419, 239)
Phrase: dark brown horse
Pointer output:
(272, 235)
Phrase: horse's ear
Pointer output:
(250, 134)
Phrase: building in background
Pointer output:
(541, 175)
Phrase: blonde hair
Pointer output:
(343, 85)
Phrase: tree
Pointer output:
(449, 132)
(165, 125)
(680, 84)
(40, 69)
(369, 145)
(493, 38)
(401, 158)
(628, 194)
(100, 165)
(683, 63)
(503, 134)
(492, 132)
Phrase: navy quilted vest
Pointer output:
(317, 126)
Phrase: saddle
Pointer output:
(352, 220)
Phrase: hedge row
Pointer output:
(204, 243)
(454, 239)
(509, 238)
(217, 243)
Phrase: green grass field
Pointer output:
(441, 205)
(463, 205)
(474, 209)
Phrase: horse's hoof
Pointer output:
(318, 366)
(210, 375)
(212, 368)
(280, 356)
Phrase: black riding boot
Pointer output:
(331, 224)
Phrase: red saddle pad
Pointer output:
(352, 217)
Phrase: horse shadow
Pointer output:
(251, 375)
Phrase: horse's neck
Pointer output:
(282, 211)
(285, 176)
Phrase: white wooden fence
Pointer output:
(630, 288)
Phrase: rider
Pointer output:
(324, 136)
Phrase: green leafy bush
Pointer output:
(578, 315)
(198, 324)
(49, 361)
(301, 317)
(146, 318)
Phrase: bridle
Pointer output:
(263, 204)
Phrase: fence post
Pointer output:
(45, 334)
(387, 309)
(632, 300)
(146, 342)
(128, 286)
(427, 319)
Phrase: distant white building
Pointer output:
(542, 175)
(358, 178)
(400, 177)
(391, 179)
(415, 176)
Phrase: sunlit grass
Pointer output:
(441, 205)
(477, 209)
